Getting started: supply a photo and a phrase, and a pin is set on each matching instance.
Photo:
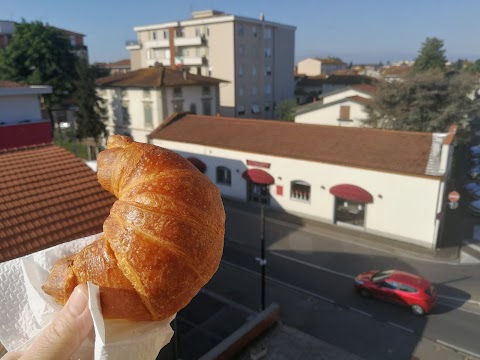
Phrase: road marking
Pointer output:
(293, 287)
(361, 312)
(401, 327)
(313, 265)
(457, 348)
(474, 302)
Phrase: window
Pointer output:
(344, 113)
(268, 88)
(154, 35)
(267, 33)
(254, 90)
(240, 91)
(148, 115)
(241, 50)
(165, 34)
(300, 190)
(240, 110)
(224, 175)
(268, 52)
(179, 32)
(254, 71)
(177, 92)
(267, 106)
(146, 94)
(240, 30)
(240, 70)
(193, 108)
(125, 113)
(123, 94)
(255, 109)
(206, 104)
(177, 105)
(206, 91)
(268, 71)
(254, 31)
(208, 31)
(198, 32)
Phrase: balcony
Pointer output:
(193, 60)
(153, 44)
(190, 41)
(132, 45)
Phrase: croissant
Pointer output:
(162, 241)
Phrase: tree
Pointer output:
(40, 55)
(431, 56)
(285, 110)
(90, 116)
(427, 101)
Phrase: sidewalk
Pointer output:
(448, 254)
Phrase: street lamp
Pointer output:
(261, 260)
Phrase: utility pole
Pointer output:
(261, 260)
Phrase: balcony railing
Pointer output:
(132, 45)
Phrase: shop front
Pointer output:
(350, 204)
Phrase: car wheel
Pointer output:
(417, 310)
(364, 293)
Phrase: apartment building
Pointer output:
(255, 56)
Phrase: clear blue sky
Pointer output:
(358, 31)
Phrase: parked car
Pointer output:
(474, 172)
(474, 208)
(473, 189)
(398, 287)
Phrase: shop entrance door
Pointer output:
(258, 193)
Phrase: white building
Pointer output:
(390, 183)
(20, 108)
(318, 66)
(343, 107)
(138, 101)
(255, 56)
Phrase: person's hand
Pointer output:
(64, 334)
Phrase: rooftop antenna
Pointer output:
(262, 16)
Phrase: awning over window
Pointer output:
(352, 193)
(258, 176)
(199, 164)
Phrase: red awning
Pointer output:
(258, 176)
(199, 164)
(351, 192)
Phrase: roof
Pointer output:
(315, 105)
(334, 80)
(155, 77)
(48, 196)
(11, 84)
(120, 63)
(364, 88)
(403, 152)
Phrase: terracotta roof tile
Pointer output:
(154, 77)
(401, 152)
(48, 196)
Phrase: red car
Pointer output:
(398, 287)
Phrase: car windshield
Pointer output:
(381, 275)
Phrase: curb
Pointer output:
(244, 335)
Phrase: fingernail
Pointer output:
(77, 302)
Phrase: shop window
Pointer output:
(300, 190)
(224, 175)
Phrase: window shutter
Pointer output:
(344, 112)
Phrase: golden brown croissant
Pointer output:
(162, 241)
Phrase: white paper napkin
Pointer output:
(26, 310)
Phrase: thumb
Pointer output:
(67, 331)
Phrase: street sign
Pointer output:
(453, 196)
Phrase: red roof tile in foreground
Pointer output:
(403, 152)
(47, 197)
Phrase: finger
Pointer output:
(66, 332)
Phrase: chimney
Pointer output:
(173, 53)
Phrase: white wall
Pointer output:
(162, 107)
(329, 115)
(19, 107)
(403, 207)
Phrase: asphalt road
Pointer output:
(311, 276)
